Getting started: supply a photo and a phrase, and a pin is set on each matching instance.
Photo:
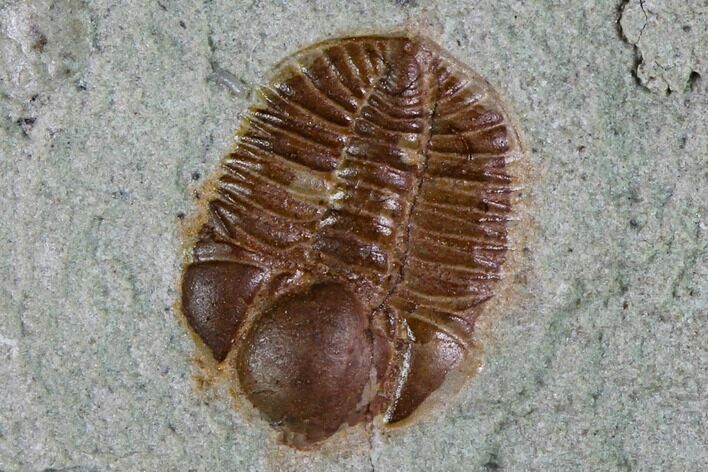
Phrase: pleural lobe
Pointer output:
(356, 231)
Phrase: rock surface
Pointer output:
(111, 115)
(669, 40)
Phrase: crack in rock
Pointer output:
(667, 38)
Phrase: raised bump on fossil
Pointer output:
(355, 233)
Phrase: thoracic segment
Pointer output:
(374, 168)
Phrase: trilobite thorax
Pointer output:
(356, 230)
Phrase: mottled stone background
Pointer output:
(113, 112)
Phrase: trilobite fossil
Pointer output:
(353, 234)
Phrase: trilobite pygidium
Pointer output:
(355, 233)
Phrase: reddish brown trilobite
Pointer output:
(354, 234)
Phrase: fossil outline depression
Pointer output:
(354, 233)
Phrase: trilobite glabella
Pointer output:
(354, 233)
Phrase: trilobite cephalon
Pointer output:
(354, 234)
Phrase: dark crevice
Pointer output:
(620, 12)
(646, 20)
(693, 82)
(638, 56)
